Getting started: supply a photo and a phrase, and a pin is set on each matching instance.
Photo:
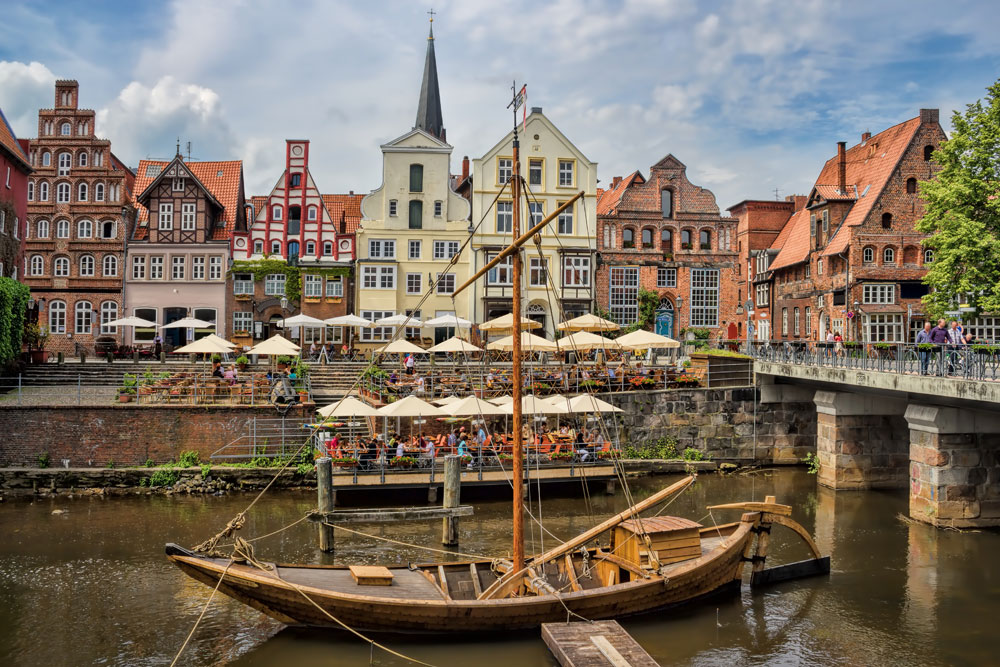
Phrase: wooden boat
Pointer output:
(648, 565)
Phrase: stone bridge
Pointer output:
(888, 425)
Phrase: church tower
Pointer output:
(429, 117)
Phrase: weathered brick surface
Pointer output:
(955, 479)
(862, 451)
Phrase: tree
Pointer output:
(962, 212)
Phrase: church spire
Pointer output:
(429, 117)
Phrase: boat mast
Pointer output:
(517, 476)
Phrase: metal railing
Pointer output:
(968, 362)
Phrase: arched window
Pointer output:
(98, 158)
(887, 220)
(928, 151)
(911, 185)
(46, 159)
(109, 313)
(110, 266)
(416, 178)
(909, 255)
(685, 239)
(108, 229)
(312, 213)
(62, 193)
(83, 317)
(84, 229)
(62, 229)
(293, 250)
(647, 238)
(42, 229)
(86, 266)
(327, 247)
(275, 247)
(276, 212)
(705, 239)
(65, 129)
(666, 240)
(99, 192)
(31, 191)
(310, 248)
(258, 247)
(57, 317)
(61, 267)
(81, 192)
(667, 203)
(889, 256)
(82, 159)
(43, 191)
(65, 162)
(928, 256)
(868, 255)
(628, 238)
(37, 265)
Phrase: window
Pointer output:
(37, 265)
(628, 238)
(868, 255)
(502, 273)
(327, 248)
(310, 248)
(538, 272)
(537, 211)
(624, 294)
(197, 268)
(177, 267)
(808, 315)
(445, 283)
(666, 277)
(177, 185)
(414, 283)
(704, 297)
(335, 288)
(108, 228)
(826, 221)
(666, 240)
(445, 249)
(144, 333)
(242, 283)
(928, 152)
(65, 129)
(505, 169)
(796, 322)
(392, 207)
(335, 334)
(887, 221)
(416, 218)
(376, 334)
(62, 193)
(165, 217)
(276, 213)
(565, 173)
(294, 220)
(187, 217)
(109, 313)
(705, 239)
(82, 159)
(761, 298)
(382, 249)
(647, 238)
(31, 191)
(312, 286)
(99, 192)
(258, 247)
(413, 251)
(884, 328)
(84, 317)
(243, 321)
(156, 267)
(911, 185)
(505, 217)
(311, 213)
(576, 271)
(275, 247)
(46, 159)
(985, 328)
(294, 180)
(84, 229)
(667, 203)
(889, 256)
(274, 284)
(784, 321)
(138, 267)
(43, 190)
(65, 163)
(928, 256)
(110, 268)
(416, 178)
(57, 317)
(378, 277)
(685, 239)
(98, 158)
(819, 266)
(438, 208)
(875, 293)
(565, 221)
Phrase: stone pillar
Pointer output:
(861, 441)
(787, 429)
(954, 466)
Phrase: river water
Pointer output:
(91, 585)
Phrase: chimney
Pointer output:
(928, 116)
(352, 193)
(798, 202)
(865, 136)
(465, 167)
(615, 181)
(842, 166)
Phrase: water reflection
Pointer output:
(92, 586)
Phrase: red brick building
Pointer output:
(14, 170)
(666, 235)
(851, 260)
(79, 208)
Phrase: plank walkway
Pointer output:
(422, 478)
(595, 644)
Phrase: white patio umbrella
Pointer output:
(398, 321)
(449, 321)
(454, 344)
(588, 322)
(220, 340)
(188, 323)
(584, 340)
(348, 407)
(400, 347)
(203, 346)
(301, 321)
(447, 400)
(640, 339)
(411, 406)
(470, 406)
(130, 321)
(506, 323)
(590, 403)
(348, 321)
(560, 401)
(502, 400)
(274, 346)
(529, 343)
(534, 405)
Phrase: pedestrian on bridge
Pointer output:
(924, 336)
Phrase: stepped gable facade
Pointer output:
(666, 235)
(79, 210)
(14, 170)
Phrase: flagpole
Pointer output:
(517, 475)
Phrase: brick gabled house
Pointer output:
(667, 235)
(852, 261)
(14, 171)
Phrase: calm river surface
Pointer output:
(92, 586)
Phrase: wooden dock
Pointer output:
(470, 478)
(596, 644)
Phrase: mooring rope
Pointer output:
(202, 614)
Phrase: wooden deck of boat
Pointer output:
(595, 644)
(406, 584)
(422, 478)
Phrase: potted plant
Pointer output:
(283, 362)
(242, 361)
(344, 461)
(35, 337)
(561, 456)
(590, 385)
(687, 381)
(403, 462)
(885, 350)
(609, 454)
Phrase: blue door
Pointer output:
(665, 321)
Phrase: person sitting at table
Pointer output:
(582, 445)
(611, 373)
(419, 385)
(462, 446)
(426, 446)
(230, 374)
(452, 440)
(333, 445)
(217, 370)
(313, 351)
(641, 370)
(400, 445)
(393, 378)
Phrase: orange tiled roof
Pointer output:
(346, 207)
(793, 241)
(9, 141)
(833, 193)
(611, 197)
(222, 179)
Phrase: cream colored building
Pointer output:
(558, 276)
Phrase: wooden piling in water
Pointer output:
(452, 496)
(324, 490)
(594, 644)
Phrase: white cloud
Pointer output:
(24, 89)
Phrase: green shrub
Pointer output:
(812, 463)
(205, 470)
(149, 463)
(692, 454)
(43, 460)
(304, 469)
(242, 359)
(111, 465)
(662, 448)
(189, 459)
(216, 358)
(144, 482)
(164, 478)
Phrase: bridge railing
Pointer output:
(968, 362)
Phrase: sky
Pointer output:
(752, 95)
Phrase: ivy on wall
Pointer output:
(13, 304)
(261, 268)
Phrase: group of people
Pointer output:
(317, 350)
(950, 338)
(229, 374)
